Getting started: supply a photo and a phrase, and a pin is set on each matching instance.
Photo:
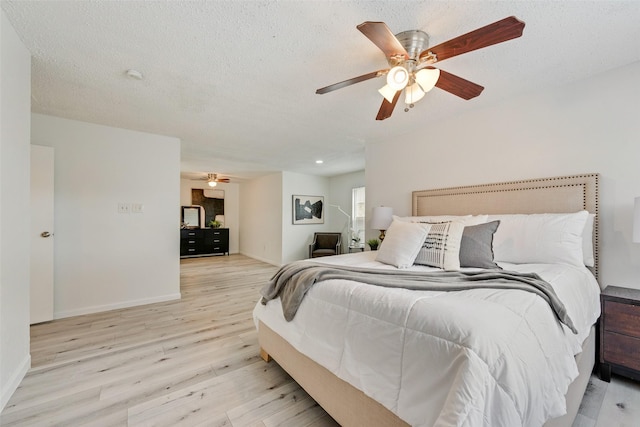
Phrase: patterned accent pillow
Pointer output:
(441, 248)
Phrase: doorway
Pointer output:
(41, 283)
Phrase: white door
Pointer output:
(41, 293)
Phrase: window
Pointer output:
(357, 213)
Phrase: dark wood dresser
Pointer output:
(204, 241)
(620, 332)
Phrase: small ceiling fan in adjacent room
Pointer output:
(213, 180)
(411, 61)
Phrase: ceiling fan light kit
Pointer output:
(427, 78)
(388, 92)
(410, 60)
(213, 180)
(413, 94)
(397, 78)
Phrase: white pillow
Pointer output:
(465, 219)
(540, 238)
(587, 242)
(441, 248)
(401, 243)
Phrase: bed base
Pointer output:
(351, 407)
(345, 403)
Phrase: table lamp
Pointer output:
(381, 219)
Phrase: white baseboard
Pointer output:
(10, 386)
(268, 261)
(115, 306)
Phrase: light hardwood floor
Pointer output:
(194, 362)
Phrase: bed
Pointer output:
(373, 366)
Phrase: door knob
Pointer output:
(45, 234)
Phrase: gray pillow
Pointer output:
(476, 246)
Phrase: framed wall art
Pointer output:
(308, 209)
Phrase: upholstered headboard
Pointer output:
(562, 194)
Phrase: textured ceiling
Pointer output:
(236, 80)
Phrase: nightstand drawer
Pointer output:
(622, 318)
(622, 350)
(620, 332)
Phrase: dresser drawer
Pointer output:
(622, 318)
(191, 243)
(184, 234)
(190, 247)
(184, 251)
(622, 350)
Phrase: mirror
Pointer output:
(213, 203)
(191, 216)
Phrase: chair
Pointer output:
(325, 244)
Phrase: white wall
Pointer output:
(105, 259)
(340, 193)
(297, 238)
(231, 207)
(261, 219)
(15, 105)
(267, 232)
(588, 126)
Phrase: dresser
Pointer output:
(204, 241)
(620, 332)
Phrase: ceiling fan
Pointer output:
(410, 61)
(213, 180)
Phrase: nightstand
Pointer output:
(620, 332)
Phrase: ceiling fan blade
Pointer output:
(216, 179)
(458, 86)
(381, 36)
(354, 80)
(387, 107)
(498, 32)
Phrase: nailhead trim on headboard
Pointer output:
(588, 184)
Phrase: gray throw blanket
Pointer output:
(293, 280)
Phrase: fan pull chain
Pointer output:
(407, 106)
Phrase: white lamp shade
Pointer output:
(381, 217)
(413, 94)
(397, 78)
(427, 78)
(387, 92)
(636, 220)
(212, 183)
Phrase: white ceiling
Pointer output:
(236, 80)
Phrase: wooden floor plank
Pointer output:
(621, 404)
(195, 362)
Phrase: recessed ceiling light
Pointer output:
(134, 74)
(319, 162)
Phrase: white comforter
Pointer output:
(471, 358)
